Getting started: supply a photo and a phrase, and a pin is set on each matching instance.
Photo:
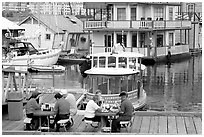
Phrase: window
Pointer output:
(190, 7)
(119, 39)
(158, 13)
(134, 40)
(47, 37)
(133, 13)
(171, 39)
(170, 13)
(121, 14)
(159, 40)
(109, 41)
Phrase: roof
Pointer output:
(103, 5)
(121, 54)
(7, 24)
(59, 23)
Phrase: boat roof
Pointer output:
(111, 71)
(121, 54)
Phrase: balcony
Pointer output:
(128, 24)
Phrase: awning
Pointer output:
(7, 24)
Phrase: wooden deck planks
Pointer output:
(154, 122)
(136, 124)
(162, 125)
(181, 128)
(190, 125)
(145, 124)
(198, 124)
(172, 127)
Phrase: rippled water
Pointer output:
(174, 87)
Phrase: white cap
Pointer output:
(63, 92)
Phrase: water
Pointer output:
(175, 87)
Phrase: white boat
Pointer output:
(24, 53)
(113, 73)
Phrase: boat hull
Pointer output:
(44, 58)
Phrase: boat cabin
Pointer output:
(113, 73)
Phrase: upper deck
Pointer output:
(116, 64)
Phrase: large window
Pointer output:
(121, 14)
(133, 13)
(122, 39)
(134, 40)
(170, 13)
(171, 39)
(159, 40)
(158, 13)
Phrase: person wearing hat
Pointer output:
(70, 98)
(31, 106)
(62, 110)
(125, 112)
(85, 65)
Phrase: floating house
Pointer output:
(144, 27)
(48, 31)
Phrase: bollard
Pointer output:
(15, 106)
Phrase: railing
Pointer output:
(126, 24)
(178, 49)
(14, 81)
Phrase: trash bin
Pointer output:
(15, 106)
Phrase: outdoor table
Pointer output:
(41, 113)
(104, 114)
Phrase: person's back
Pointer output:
(72, 101)
(62, 106)
(31, 106)
(127, 106)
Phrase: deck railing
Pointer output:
(127, 24)
(14, 81)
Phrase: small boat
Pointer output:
(112, 73)
(24, 53)
(53, 68)
(71, 58)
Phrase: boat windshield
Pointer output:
(112, 84)
(23, 47)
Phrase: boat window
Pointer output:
(132, 63)
(102, 62)
(122, 62)
(90, 84)
(95, 62)
(103, 86)
(111, 62)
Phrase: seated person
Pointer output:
(61, 108)
(101, 100)
(70, 98)
(31, 106)
(125, 112)
(91, 108)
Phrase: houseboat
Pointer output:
(112, 73)
(149, 28)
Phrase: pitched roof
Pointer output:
(7, 24)
(59, 23)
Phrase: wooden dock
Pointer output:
(145, 123)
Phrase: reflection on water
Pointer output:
(175, 87)
(169, 87)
